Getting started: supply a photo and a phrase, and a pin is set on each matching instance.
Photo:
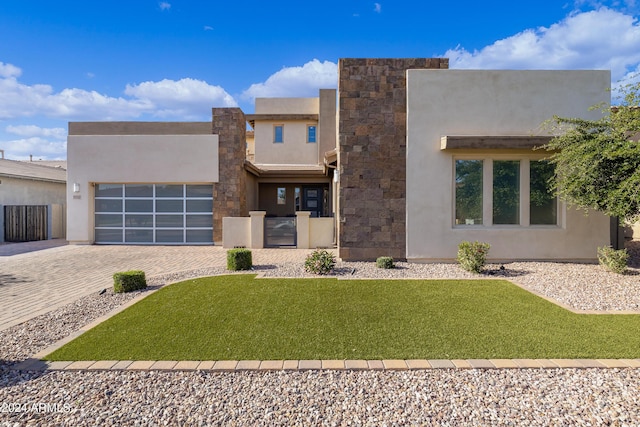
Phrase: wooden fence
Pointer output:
(25, 223)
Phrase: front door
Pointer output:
(312, 200)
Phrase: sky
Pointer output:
(173, 60)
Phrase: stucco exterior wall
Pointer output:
(131, 159)
(493, 103)
(295, 150)
(287, 105)
(15, 191)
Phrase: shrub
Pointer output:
(384, 262)
(128, 281)
(239, 259)
(472, 256)
(319, 261)
(614, 260)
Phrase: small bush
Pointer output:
(384, 262)
(239, 259)
(128, 281)
(614, 260)
(472, 256)
(319, 261)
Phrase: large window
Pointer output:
(153, 213)
(504, 192)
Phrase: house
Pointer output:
(32, 199)
(407, 159)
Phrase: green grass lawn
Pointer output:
(239, 317)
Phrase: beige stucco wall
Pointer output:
(15, 191)
(287, 105)
(295, 150)
(473, 102)
(131, 159)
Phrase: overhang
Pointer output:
(285, 171)
(476, 142)
(251, 118)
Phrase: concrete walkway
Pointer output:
(38, 277)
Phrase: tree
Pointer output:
(597, 162)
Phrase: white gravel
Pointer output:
(528, 397)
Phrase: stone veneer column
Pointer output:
(372, 155)
(229, 193)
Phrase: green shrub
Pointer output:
(614, 260)
(239, 259)
(319, 261)
(472, 256)
(384, 262)
(128, 281)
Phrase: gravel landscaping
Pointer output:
(442, 397)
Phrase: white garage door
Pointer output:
(154, 213)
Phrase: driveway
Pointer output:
(37, 277)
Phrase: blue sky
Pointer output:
(173, 60)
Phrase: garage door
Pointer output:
(154, 213)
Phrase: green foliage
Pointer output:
(385, 262)
(319, 261)
(472, 256)
(598, 161)
(128, 281)
(239, 259)
(614, 260)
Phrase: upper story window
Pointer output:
(311, 133)
(278, 133)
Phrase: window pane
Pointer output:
(138, 236)
(169, 221)
(169, 206)
(199, 205)
(169, 236)
(199, 221)
(108, 205)
(311, 134)
(106, 220)
(506, 192)
(169, 191)
(278, 132)
(138, 190)
(199, 236)
(543, 206)
(138, 206)
(136, 221)
(468, 192)
(108, 236)
(200, 190)
(108, 190)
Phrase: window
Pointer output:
(468, 192)
(278, 133)
(543, 206)
(504, 192)
(282, 196)
(311, 133)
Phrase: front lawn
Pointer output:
(238, 317)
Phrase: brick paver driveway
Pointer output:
(37, 281)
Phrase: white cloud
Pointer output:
(599, 39)
(301, 81)
(377, 7)
(40, 148)
(208, 28)
(181, 100)
(164, 5)
(187, 98)
(33, 131)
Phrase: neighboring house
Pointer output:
(31, 184)
(411, 159)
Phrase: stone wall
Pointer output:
(372, 155)
(229, 193)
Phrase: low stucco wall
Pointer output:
(93, 159)
(15, 191)
(321, 232)
(236, 232)
(492, 103)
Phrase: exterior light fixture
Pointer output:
(76, 187)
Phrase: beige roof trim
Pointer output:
(251, 118)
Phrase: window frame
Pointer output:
(487, 193)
